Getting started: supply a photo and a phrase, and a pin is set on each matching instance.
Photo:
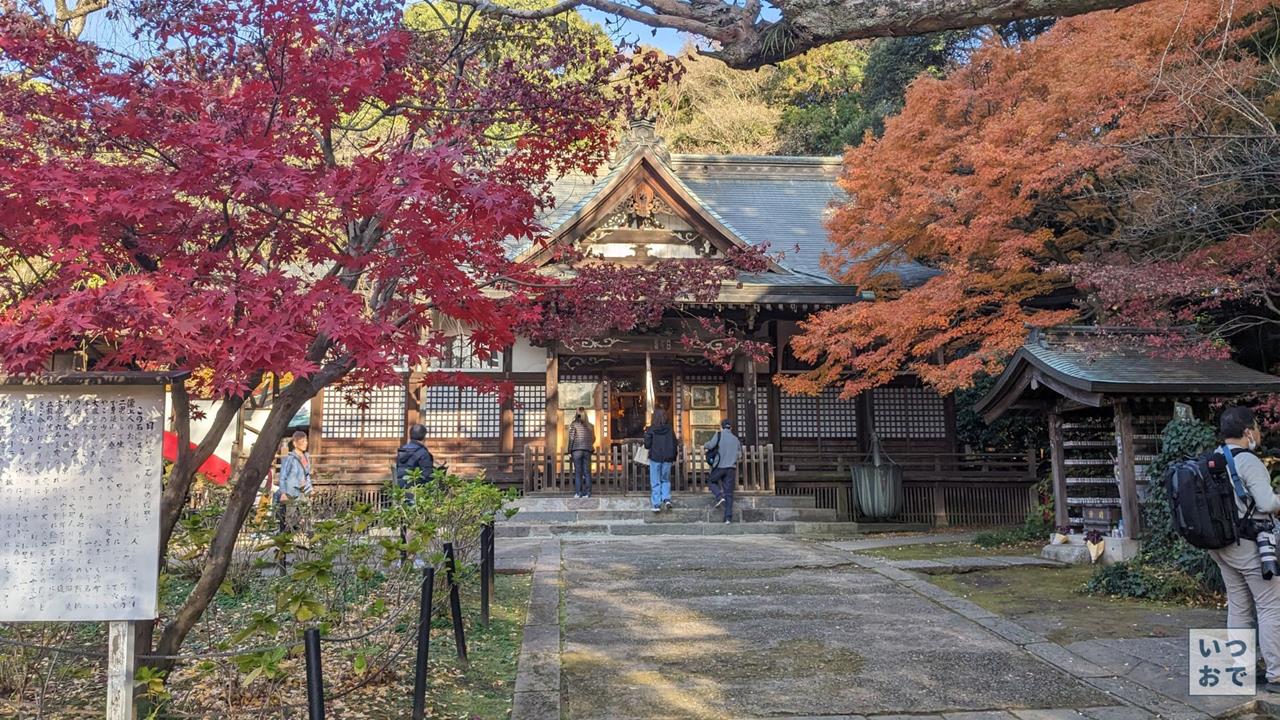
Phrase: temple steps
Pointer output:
(693, 514)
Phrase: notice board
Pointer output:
(80, 484)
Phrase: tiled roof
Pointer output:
(1093, 360)
(778, 202)
(1112, 362)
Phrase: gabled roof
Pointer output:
(643, 166)
(1091, 365)
(781, 203)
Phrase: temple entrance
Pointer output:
(632, 398)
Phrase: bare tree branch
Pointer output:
(747, 41)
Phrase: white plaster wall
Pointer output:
(527, 358)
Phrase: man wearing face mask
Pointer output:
(1251, 600)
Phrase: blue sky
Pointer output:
(116, 34)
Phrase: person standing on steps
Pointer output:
(582, 443)
(723, 451)
(660, 441)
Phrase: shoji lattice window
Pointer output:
(762, 412)
(531, 411)
(449, 412)
(908, 413)
(378, 414)
(818, 416)
(799, 415)
(439, 411)
(839, 418)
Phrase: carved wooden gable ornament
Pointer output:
(644, 214)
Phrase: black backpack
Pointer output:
(1202, 493)
(713, 453)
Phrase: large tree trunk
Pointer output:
(746, 41)
(239, 505)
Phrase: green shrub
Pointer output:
(1167, 568)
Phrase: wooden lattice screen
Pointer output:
(530, 411)
(762, 411)
(839, 417)
(380, 414)
(449, 411)
(818, 416)
(903, 413)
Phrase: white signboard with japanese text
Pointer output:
(80, 483)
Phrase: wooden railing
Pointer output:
(924, 466)
(352, 469)
(614, 470)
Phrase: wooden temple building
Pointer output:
(650, 204)
(1107, 397)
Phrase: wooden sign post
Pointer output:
(81, 467)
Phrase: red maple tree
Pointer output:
(296, 188)
(999, 177)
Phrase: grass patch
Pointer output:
(935, 551)
(482, 689)
(1051, 601)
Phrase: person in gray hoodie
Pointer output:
(723, 452)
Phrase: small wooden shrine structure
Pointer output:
(1108, 396)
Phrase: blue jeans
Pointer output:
(659, 482)
(581, 472)
(722, 482)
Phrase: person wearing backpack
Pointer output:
(1252, 601)
(722, 455)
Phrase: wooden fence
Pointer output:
(615, 471)
(939, 489)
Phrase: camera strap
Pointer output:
(1235, 476)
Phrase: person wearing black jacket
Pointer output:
(413, 455)
(660, 441)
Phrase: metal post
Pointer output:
(455, 603)
(486, 536)
(424, 644)
(315, 676)
(493, 561)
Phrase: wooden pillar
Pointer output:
(551, 439)
(949, 417)
(412, 413)
(753, 412)
(774, 415)
(1126, 472)
(1059, 469)
(315, 432)
(865, 421)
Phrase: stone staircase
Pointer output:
(559, 515)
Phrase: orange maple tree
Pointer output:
(991, 177)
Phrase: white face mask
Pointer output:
(1253, 441)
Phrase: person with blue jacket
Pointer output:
(295, 481)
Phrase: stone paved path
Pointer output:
(773, 627)
(746, 628)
